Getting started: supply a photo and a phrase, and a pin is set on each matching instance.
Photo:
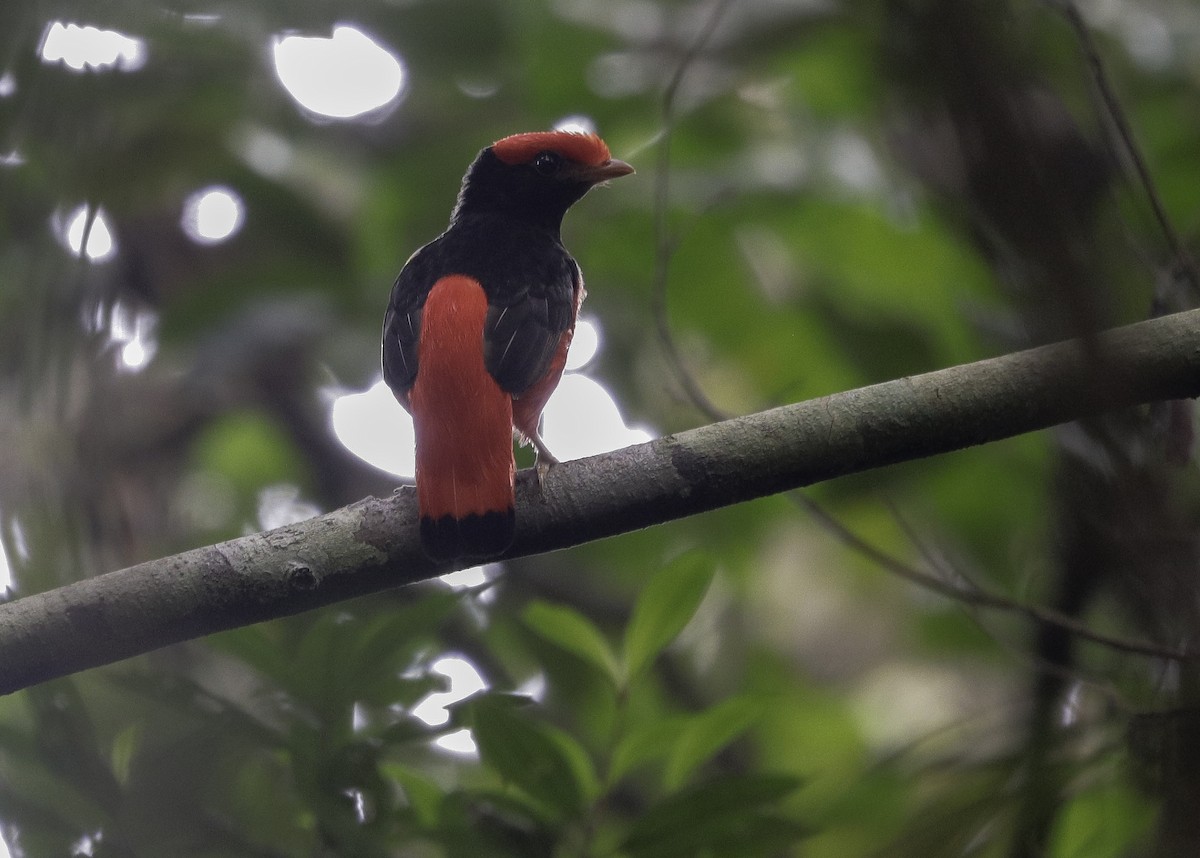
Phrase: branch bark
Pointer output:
(372, 545)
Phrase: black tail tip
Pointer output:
(474, 537)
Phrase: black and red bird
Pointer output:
(477, 331)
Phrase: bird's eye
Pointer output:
(547, 163)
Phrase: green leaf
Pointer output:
(546, 763)
(570, 630)
(644, 743)
(124, 747)
(249, 450)
(1105, 821)
(424, 796)
(730, 816)
(664, 608)
(381, 648)
(318, 668)
(259, 651)
(485, 821)
(707, 733)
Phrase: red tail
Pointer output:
(463, 423)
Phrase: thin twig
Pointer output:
(664, 242)
(980, 598)
(936, 563)
(1183, 263)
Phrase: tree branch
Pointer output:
(373, 544)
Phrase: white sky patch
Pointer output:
(582, 419)
(212, 215)
(464, 681)
(475, 578)
(91, 49)
(86, 844)
(5, 587)
(578, 123)
(281, 505)
(584, 345)
(71, 227)
(8, 85)
(534, 687)
(1069, 708)
(135, 355)
(20, 549)
(465, 579)
(341, 77)
(374, 427)
(358, 718)
(132, 332)
(458, 742)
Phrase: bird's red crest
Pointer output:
(586, 149)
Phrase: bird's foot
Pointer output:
(544, 462)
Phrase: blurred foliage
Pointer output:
(833, 194)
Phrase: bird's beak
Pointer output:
(610, 169)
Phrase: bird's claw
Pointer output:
(542, 468)
(544, 462)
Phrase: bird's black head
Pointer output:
(536, 177)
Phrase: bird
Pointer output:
(477, 329)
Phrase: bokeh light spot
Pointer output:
(5, 571)
(374, 427)
(281, 505)
(72, 228)
(132, 332)
(577, 124)
(212, 215)
(464, 680)
(582, 419)
(584, 344)
(342, 77)
(465, 579)
(90, 48)
(458, 742)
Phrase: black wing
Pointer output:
(532, 288)
(526, 320)
(402, 323)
